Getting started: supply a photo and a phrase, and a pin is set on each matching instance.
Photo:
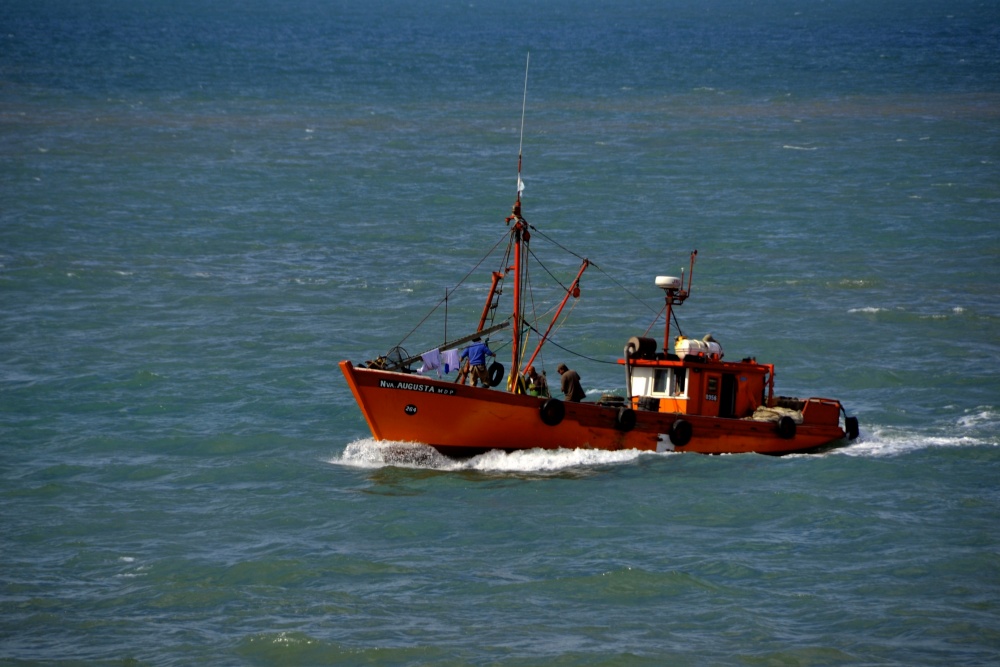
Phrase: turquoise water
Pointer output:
(204, 209)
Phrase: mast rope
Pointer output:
(627, 291)
(569, 351)
(530, 293)
(581, 257)
(520, 143)
(546, 269)
(555, 243)
(455, 287)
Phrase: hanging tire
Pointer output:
(552, 411)
(625, 419)
(786, 428)
(852, 427)
(495, 372)
(680, 433)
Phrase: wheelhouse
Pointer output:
(710, 388)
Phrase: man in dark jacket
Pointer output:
(571, 384)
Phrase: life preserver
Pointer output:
(495, 372)
(786, 428)
(680, 433)
(625, 419)
(552, 411)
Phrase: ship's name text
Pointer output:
(414, 386)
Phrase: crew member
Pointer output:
(476, 354)
(537, 384)
(570, 384)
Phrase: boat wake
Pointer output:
(885, 442)
(370, 453)
(977, 428)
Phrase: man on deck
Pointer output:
(476, 354)
(570, 384)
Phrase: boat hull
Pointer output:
(461, 420)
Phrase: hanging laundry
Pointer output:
(450, 360)
(432, 361)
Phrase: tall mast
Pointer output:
(521, 238)
(520, 233)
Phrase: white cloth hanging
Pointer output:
(432, 362)
(450, 360)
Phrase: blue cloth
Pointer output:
(477, 353)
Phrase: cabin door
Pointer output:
(720, 395)
(727, 396)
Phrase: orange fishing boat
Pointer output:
(689, 399)
(685, 399)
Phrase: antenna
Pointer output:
(520, 145)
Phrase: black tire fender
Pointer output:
(786, 428)
(852, 427)
(496, 373)
(625, 419)
(681, 432)
(552, 411)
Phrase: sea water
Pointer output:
(205, 206)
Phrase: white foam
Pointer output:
(139, 571)
(982, 416)
(892, 441)
(370, 453)
(549, 460)
(975, 429)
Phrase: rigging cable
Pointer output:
(602, 271)
(569, 351)
(457, 285)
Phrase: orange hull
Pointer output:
(460, 420)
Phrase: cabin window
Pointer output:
(669, 382)
(642, 380)
(661, 381)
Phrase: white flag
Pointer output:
(520, 184)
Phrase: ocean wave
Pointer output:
(904, 313)
(981, 416)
